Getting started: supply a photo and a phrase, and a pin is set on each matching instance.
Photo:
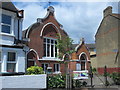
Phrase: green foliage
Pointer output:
(57, 81)
(84, 83)
(64, 45)
(33, 70)
(116, 77)
(94, 70)
(79, 83)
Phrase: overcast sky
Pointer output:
(79, 19)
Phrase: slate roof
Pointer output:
(91, 45)
(116, 15)
(8, 6)
(88, 45)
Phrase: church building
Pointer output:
(42, 36)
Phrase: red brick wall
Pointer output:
(75, 56)
(109, 70)
(36, 42)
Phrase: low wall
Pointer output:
(23, 81)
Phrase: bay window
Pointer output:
(6, 24)
(50, 49)
(11, 62)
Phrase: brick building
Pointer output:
(107, 42)
(42, 37)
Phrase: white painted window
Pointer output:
(50, 49)
(0, 61)
(6, 24)
(56, 67)
(11, 62)
(44, 66)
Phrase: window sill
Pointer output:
(50, 58)
(57, 72)
(6, 34)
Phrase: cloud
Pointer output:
(80, 19)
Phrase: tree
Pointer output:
(64, 45)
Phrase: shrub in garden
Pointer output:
(77, 83)
(84, 83)
(57, 81)
(116, 77)
(94, 70)
(35, 70)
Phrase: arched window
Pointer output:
(31, 60)
(83, 59)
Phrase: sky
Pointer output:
(79, 19)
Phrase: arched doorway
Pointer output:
(31, 59)
(83, 59)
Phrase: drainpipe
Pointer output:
(18, 28)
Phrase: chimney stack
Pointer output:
(107, 11)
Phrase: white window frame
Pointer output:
(56, 67)
(54, 56)
(8, 13)
(6, 24)
(44, 66)
(12, 62)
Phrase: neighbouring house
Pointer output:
(92, 50)
(12, 56)
(43, 52)
(107, 49)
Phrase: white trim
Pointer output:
(85, 60)
(6, 34)
(34, 52)
(41, 34)
(65, 55)
(76, 48)
(49, 59)
(29, 30)
(83, 53)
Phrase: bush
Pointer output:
(116, 77)
(33, 70)
(94, 70)
(57, 81)
(79, 83)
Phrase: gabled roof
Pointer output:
(8, 5)
(81, 43)
(50, 11)
(116, 16)
(87, 45)
(41, 23)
